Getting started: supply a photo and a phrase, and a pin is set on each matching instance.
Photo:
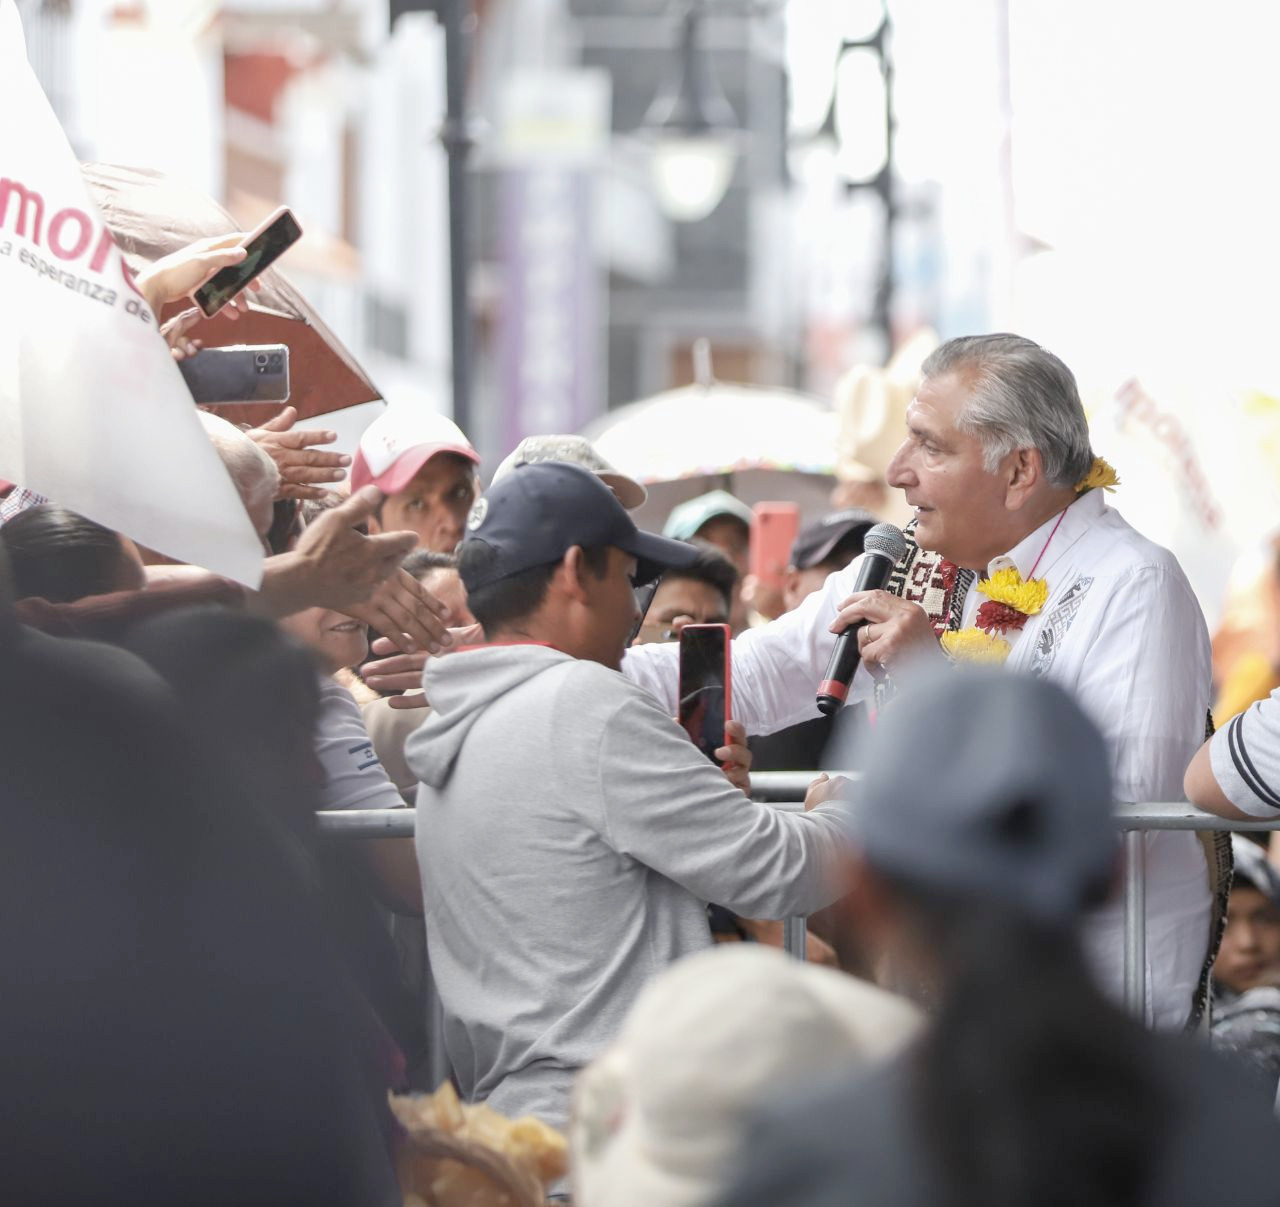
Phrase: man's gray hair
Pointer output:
(1020, 396)
(252, 470)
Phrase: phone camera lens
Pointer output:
(260, 359)
(277, 361)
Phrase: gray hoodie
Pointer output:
(570, 836)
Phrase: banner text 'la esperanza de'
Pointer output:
(71, 249)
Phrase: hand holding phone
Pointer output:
(705, 685)
(263, 247)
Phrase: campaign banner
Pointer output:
(94, 413)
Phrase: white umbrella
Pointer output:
(759, 443)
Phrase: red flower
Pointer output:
(996, 617)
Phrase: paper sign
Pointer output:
(94, 413)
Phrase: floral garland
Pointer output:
(1100, 476)
(1010, 598)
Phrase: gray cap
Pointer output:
(990, 784)
(574, 450)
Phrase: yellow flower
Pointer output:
(1100, 475)
(1007, 587)
(973, 645)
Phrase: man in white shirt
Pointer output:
(995, 464)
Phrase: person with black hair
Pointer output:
(58, 555)
(699, 593)
(1245, 1022)
(1028, 1087)
(569, 833)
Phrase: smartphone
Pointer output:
(264, 246)
(774, 527)
(705, 684)
(238, 373)
(644, 597)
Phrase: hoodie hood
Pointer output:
(460, 687)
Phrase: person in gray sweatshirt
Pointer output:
(569, 834)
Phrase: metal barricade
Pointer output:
(783, 788)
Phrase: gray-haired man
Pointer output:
(1017, 557)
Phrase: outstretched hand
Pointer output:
(826, 788)
(405, 612)
(175, 333)
(341, 568)
(302, 466)
(395, 672)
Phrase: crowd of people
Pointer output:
(209, 1000)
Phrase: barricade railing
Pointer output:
(783, 788)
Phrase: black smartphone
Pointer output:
(263, 247)
(644, 597)
(239, 373)
(705, 684)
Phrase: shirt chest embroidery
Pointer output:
(1056, 625)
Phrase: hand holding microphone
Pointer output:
(883, 547)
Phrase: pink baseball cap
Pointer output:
(400, 442)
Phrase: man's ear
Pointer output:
(573, 573)
(1024, 471)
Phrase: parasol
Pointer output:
(759, 443)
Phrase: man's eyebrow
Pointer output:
(920, 432)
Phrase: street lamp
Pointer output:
(857, 137)
(693, 135)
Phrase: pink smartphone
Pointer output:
(264, 247)
(774, 527)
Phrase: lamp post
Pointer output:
(879, 182)
(692, 132)
(456, 138)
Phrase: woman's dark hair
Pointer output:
(520, 595)
(60, 556)
(1030, 1087)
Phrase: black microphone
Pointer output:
(883, 548)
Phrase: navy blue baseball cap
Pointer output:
(535, 514)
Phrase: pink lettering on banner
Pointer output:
(100, 253)
(22, 210)
(28, 200)
(60, 220)
(1135, 403)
